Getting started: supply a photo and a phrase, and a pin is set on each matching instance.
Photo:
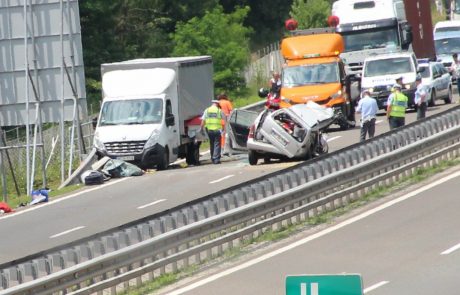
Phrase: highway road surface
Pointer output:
(99, 208)
(409, 244)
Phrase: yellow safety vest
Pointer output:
(213, 118)
(398, 105)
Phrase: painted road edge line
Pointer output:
(221, 179)
(67, 232)
(373, 287)
(313, 236)
(52, 202)
(151, 204)
(451, 249)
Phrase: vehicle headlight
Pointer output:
(371, 90)
(98, 144)
(153, 139)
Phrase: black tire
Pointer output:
(164, 160)
(252, 157)
(432, 101)
(192, 156)
(448, 99)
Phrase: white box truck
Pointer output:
(151, 109)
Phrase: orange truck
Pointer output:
(314, 71)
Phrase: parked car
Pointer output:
(287, 133)
(437, 79)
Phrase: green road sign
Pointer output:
(347, 284)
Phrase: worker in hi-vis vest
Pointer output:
(212, 120)
(396, 107)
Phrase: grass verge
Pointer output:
(286, 231)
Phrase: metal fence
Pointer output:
(13, 156)
(207, 229)
(263, 64)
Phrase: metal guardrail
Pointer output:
(181, 247)
(327, 172)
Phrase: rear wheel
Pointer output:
(448, 99)
(192, 156)
(252, 157)
(432, 101)
(164, 160)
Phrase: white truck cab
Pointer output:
(380, 74)
(446, 41)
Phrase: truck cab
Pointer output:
(380, 74)
(446, 40)
(370, 27)
(315, 72)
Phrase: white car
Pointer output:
(438, 80)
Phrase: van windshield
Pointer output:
(133, 111)
(310, 74)
(447, 46)
(388, 66)
(371, 39)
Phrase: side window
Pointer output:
(434, 71)
(441, 69)
(168, 108)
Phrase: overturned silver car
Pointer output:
(295, 132)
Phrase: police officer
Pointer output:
(420, 98)
(396, 107)
(212, 121)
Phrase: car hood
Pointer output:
(114, 133)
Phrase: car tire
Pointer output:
(432, 101)
(164, 161)
(252, 157)
(448, 99)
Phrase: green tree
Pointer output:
(311, 13)
(222, 36)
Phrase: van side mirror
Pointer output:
(169, 120)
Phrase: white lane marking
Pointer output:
(315, 236)
(378, 121)
(333, 138)
(67, 232)
(373, 287)
(451, 249)
(151, 204)
(42, 205)
(221, 179)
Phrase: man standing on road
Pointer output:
(226, 106)
(396, 107)
(455, 70)
(420, 98)
(368, 108)
(212, 121)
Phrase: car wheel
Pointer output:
(432, 101)
(448, 99)
(252, 157)
(164, 161)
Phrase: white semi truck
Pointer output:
(370, 27)
(151, 109)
